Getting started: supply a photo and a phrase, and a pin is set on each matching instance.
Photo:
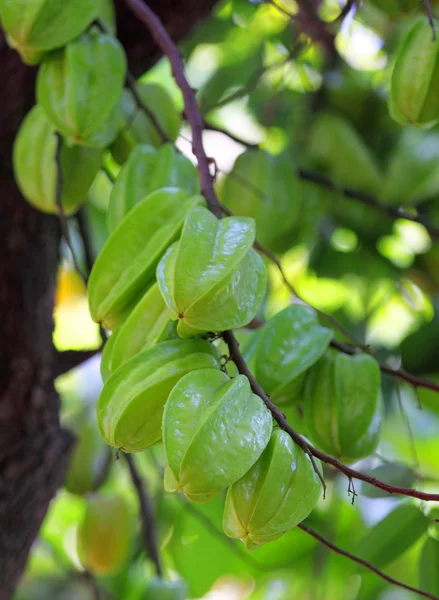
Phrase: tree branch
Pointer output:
(195, 120)
(363, 563)
(149, 528)
(67, 360)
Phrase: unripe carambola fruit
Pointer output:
(266, 188)
(35, 169)
(414, 86)
(158, 589)
(130, 406)
(148, 324)
(126, 265)
(214, 430)
(104, 535)
(146, 171)
(342, 405)
(276, 494)
(141, 128)
(337, 150)
(87, 462)
(288, 345)
(212, 279)
(36, 26)
(80, 86)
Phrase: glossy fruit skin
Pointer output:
(141, 129)
(214, 430)
(126, 265)
(148, 324)
(158, 589)
(36, 172)
(288, 345)
(212, 279)
(277, 493)
(79, 87)
(264, 187)
(104, 535)
(342, 405)
(35, 26)
(337, 150)
(146, 171)
(87, 461)
(414, 86)
(130, 406)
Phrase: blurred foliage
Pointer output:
(259, 78)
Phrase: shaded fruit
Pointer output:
(342, 404)
(276, 494)
(288, 345)
(130, 406)
(36, 172)
(212, 279)
(214, 429)
(104, 535)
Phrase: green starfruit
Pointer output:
(35, 26)
(342, 405)
(337, 150)
(288, 345)
(104, 535)
(79, 87)
(214, 430)
(158, 589)
(130, 406)
(126, 265)
(212, 279)
(148, 324)
(414, 86)
(277, 493)
(36, 172)
(264, 187)
(147, 170)
(141, 128)
(87, 462)
(107, 353)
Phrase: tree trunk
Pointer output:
(34, 449)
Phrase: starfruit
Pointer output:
(288, 345)
(158, 589)
(79, 88)
(104, 535)
(414, 86)
(130, 406)
(107, 352)
(212, 279)
(35, 26)
(147, 170)
(214, 430)
(126, 265)
(36, 172)
(277, 493)
(337, 150)
(266, 188)
(141, 128)
(148, 324)
(87, 464)
(342, 405)
(412, 174)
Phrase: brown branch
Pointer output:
(81, 219)
(195, 120)
(364, 563)
(149, 527)
(235, 138)
(67, 360)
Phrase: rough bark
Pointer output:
(34, 449)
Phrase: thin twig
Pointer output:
(430, 17)
(132, 85)
(149, 527)
(364, 563)
(67, 360)
(159, 33)
(81, 219)
(61, 213)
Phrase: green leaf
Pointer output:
(392, 536)
(393, 474)
(428, 567)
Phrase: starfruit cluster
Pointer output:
(82, 107)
